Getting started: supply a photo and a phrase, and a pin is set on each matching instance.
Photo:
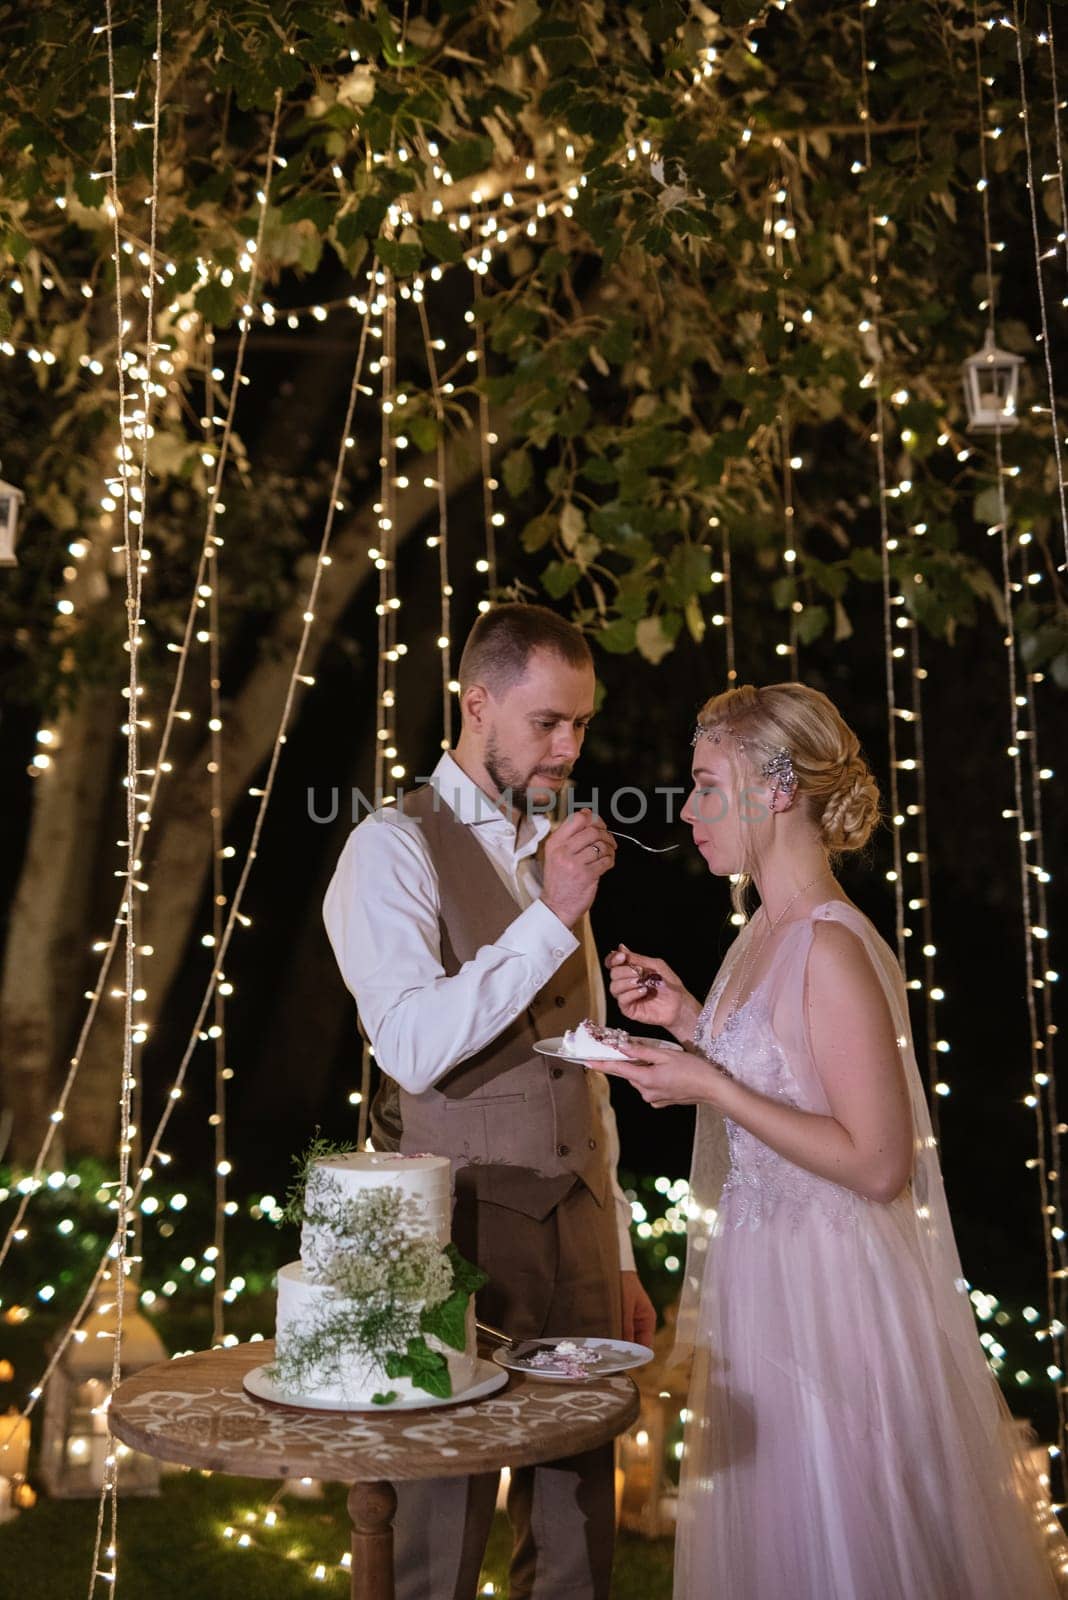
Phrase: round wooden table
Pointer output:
(194, 1410)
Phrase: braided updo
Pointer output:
(834, 782)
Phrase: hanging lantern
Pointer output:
(10, 501)
(991, 387)
(75, 1439)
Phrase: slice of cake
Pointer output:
(380, 1306)
(590, 1042)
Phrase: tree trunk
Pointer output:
(178, 866)
(46, 955)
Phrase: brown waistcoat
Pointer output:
(520, 1127)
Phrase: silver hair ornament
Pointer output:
(778, 769)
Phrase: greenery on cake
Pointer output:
(318, 1150)
(389, 1287)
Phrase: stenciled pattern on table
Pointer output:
(228, 1430)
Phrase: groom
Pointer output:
(459, 922)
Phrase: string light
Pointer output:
(873, 345)
(218, 1030)
(161, 765)
(442, 536)
(133, 546)
(385, 560)
(779, 231)
(154, 1152)
(1042, 1075)
(1058, 145)
(486, 440)
(1047, 355)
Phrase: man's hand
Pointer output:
(639, 1313)
(577, 855)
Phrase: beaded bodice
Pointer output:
(761, 1183)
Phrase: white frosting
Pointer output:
(301, 1304)
(584, 1045)
(306, 1299)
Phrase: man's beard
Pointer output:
(508, 780)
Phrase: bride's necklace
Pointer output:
(751, 958)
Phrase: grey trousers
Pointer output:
(557, 1276)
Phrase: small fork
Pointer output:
(653, 849)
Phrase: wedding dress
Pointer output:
(846, 1439)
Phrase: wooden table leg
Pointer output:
(371, 1507)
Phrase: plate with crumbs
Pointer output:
(572, 1360)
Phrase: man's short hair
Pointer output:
(502, 641)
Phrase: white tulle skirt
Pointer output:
(833, 1451)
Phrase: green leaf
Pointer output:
(448, 1321)
(598, 470)
(90, 191)
(619, 637)
(426, 1368)
(366, 219)
(517, 469)
(441, 241)
(423, 430)
(689, 572)
(466, 1276)
(538, 532)
(465, 157)
(215, 303)
(811, 623)
(559, 577)
(318, 209)
(654, 641)
(783, 592)
(987, 508)
(401, 259)
(386, 1399)
(866, 563)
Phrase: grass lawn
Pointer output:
(174, 1548)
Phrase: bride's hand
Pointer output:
(647, 991)
(668, 1077)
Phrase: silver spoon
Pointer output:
(653, 849)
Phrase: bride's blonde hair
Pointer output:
(835, 785)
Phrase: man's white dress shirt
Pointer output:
(381, 913)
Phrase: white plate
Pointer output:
(616, 1355)
(488, 1381)
(551, 1047)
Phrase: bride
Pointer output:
(846, 1438)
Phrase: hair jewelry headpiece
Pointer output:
(777, 769)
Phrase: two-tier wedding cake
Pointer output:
(380, 1306)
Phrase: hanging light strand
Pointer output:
(1044, 338)
(387, 763)
(1048, 39)
(879, 440)
(1042, 1093)
(218, 1029)
(728, 606)
(153, 1153)
(133, 545)
(486, 440)
(161, 764)
(937, 1087)
(442, 535)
